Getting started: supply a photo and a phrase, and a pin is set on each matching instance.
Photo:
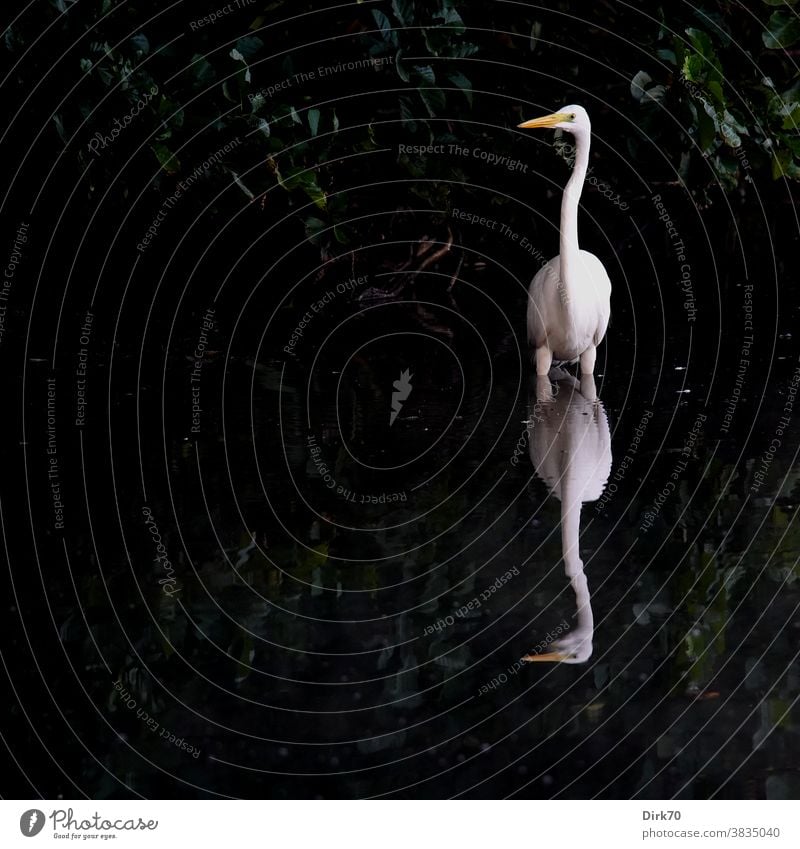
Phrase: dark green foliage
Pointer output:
(720, 97)
(712, 79)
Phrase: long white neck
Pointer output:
(570, 522)
(569, 212)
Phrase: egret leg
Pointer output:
(544, 391)
(588, 387)
(544, 359)
(587, 360)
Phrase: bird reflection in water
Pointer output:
(570, 448)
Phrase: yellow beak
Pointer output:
(545, 658)
(546, 121)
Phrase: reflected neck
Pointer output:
(570, 541)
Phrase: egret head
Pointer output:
(574, 119)
(574, 648)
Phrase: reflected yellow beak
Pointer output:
(550, 657)
(546, 121)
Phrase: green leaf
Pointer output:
(167, 111)
(407, 114)
(706, 130)
(314, 227)
(715, 89)
(536, 31)
(639, 84)
(387, 31)
(105, 75)
(427, 74)
(404, 11)
(238, 181)
(166, 158)
(783, 30)
(249, 46)
(306, 181)
(201, 71)
(729, 134)
(694, 68)
(791, 119)
(463, 83)
(728, 118)
(784, 165)
(230, 91)
(434, 100)
(450, 18)
(793, 143)
(141, 43)
(59, 126)
(461, 51)
(701, 42)
(708, 68)
(401, 71)
(313, 120)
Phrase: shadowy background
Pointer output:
(267, 150)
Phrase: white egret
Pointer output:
(569, 298)
(570, 448)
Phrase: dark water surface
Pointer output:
(346, 598)
(282, 505)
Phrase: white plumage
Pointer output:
(569, 301)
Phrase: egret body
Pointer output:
(569, 301)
